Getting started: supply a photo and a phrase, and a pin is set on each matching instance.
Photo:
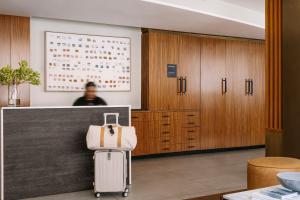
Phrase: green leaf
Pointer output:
(6, 75)
(23, 74)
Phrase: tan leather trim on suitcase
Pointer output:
(102, 129)
(119, 136)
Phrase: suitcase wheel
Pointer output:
(97, 195)
(125, 194)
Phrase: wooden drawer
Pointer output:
(163, 116)
(165, 123)
(166, 140)
(139, 116)
(190, 146)
(190, 122)
(166, 127)
(193, 131)
(166, 133)
(191, 135)
(167, 148)
(187, 114)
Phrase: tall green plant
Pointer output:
(22, 74)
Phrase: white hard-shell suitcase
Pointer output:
(110, 172)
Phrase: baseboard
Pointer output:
(184, 153)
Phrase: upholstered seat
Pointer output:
(262, 171)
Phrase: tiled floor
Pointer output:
(176, 178)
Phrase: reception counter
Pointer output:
(43, 149)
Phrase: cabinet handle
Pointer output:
(191, 123)
(165, 149)
(247, 86)
(191, 146)
(191, 131)
(179, 85)
(165, 116)
(166, 124)
(251, 87)
(184, 85)
(191, 115)
(165, 141)
(224, 86)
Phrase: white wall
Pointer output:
(38, 95)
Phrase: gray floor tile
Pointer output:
(181, 177)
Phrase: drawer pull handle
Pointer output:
(165, 141)
(166, 124)
(191, 139)
(191, 131)
(191, 123)
(191, 115)
(134, 117)
(191, 146)
(165, 149)
(165, 116)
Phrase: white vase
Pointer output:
(13, 95)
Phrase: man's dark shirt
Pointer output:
(82, 101)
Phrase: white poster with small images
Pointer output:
(72, 60)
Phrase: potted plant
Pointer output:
(14, 77)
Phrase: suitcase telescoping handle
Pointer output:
(111, 114)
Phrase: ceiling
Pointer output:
(240, 18)
(257, 5)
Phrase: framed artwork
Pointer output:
(72, 60)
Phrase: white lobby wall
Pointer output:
(38, 95)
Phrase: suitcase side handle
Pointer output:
(111, 114)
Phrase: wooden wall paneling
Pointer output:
(189, 68)
(20, 50)
(273, 65)
(145, 71)
(273, 74)
(15, 39)
(4, 53)
(237, 118)
(213, 66)
(290, 77)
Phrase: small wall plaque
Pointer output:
(172, 70)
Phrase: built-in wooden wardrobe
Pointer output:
(161, 92)
(232, 93)
(216, 100)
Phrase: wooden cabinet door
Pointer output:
(257, 99)
(189, 69)
(141, 140)
(213, 65)
(163, 50)
(237, 118)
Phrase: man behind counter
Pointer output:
(89, 98)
